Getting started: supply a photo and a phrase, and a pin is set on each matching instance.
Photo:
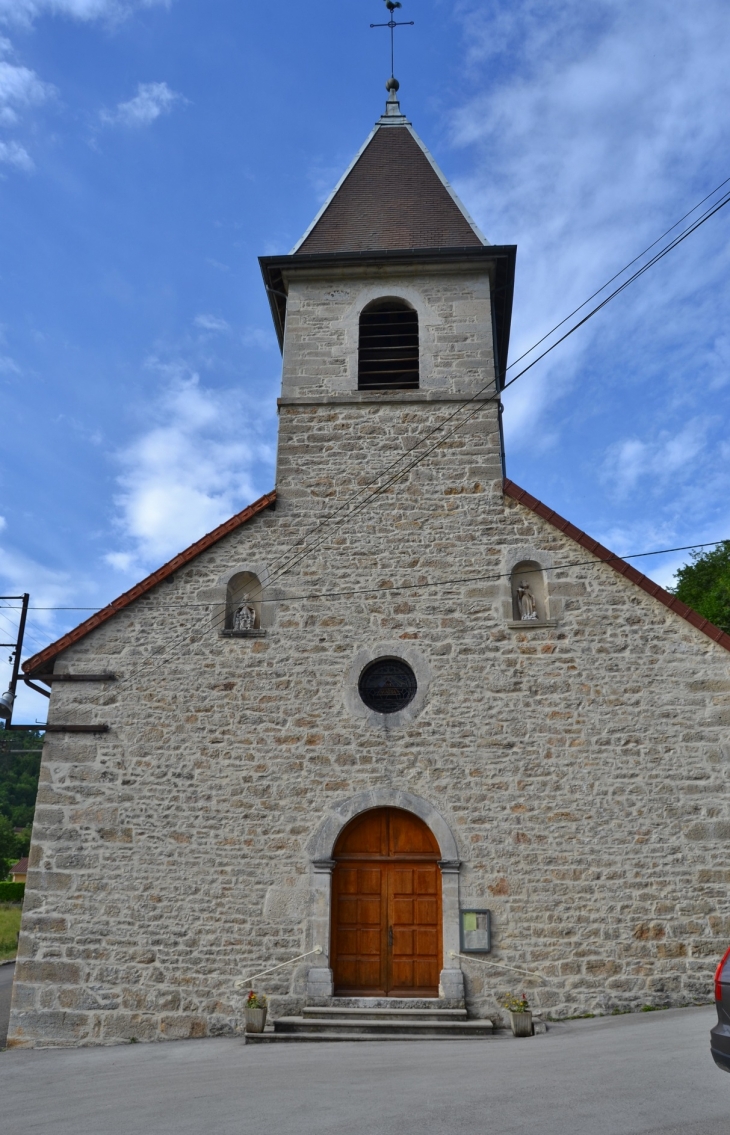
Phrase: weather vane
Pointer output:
(391, 5)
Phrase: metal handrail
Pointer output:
(499, 965)
(244, 981)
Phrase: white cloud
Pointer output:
(187, 474)
(259, 337)
(151, 101)
(598, 127)
(3, 523)
(24, 12)
(47, 588)
(667, 458)
(211, 323)
(13, 154)
(20, 88)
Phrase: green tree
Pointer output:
(704, 584)
(20, 763)
(8, 847)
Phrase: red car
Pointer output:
(720, 1035)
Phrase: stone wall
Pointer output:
(582, 767)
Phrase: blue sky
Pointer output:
(150, 151)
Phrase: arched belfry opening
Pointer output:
(386, 907)
(388, 346)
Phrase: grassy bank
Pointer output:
(9, 927)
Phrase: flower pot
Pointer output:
(521, 1023)
(255, 1020)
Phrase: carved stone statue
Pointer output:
(526, 602)
(244, 618)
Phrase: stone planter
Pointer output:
(255, 1020)
(521, 1023)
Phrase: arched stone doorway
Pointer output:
(321, 846)
(386, 907)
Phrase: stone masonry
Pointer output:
(581, 764)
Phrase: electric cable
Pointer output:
(710, 212)
(617, 274)
(423, 584)
(298, 552)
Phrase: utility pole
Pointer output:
(8, 698)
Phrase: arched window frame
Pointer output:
(388, 355)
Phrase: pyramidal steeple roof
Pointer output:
(393, 196)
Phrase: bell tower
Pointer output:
(393, 314)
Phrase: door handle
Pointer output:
(390, 937)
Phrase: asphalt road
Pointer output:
(645, 1073)
(6, 985)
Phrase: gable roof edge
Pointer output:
(126, 598)
(447, 186)
(332, 195)
(621, 566)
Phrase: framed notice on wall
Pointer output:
(475, 931)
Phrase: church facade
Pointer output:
(397, 728)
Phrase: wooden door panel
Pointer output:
(413, 914)
(403, 912)
(425, 912)
(426, 943)
(359, 928)
(409, 836)
(369, 941)
(348, 938)
(386, 911)
(403, 942)
(369, 912)
(424, 881)
(402, 977)
(369, 881)
(425, 973)
(402, 880)
(347, 910)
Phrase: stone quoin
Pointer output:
(570, 766)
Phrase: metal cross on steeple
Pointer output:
(391, 5)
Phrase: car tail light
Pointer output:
(718, 975)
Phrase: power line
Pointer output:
(292, 556)
(635, 276)
(296, 558)
(617, 274)
(493, 577)
(429, 583)
(297, 553)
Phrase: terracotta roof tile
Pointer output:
(46, 657)
(392, 198)
(619, 565)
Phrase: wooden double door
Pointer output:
(386, 907)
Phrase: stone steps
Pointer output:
(332, 1036)
(331, 1012)
(352, 1020)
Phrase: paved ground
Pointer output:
(645, 1073)
(6, 982)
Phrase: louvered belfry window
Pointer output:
(388, 358)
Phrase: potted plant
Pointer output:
(255, 1012)
(520, 1015)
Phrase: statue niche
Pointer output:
(243, 603)
(529, 598)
